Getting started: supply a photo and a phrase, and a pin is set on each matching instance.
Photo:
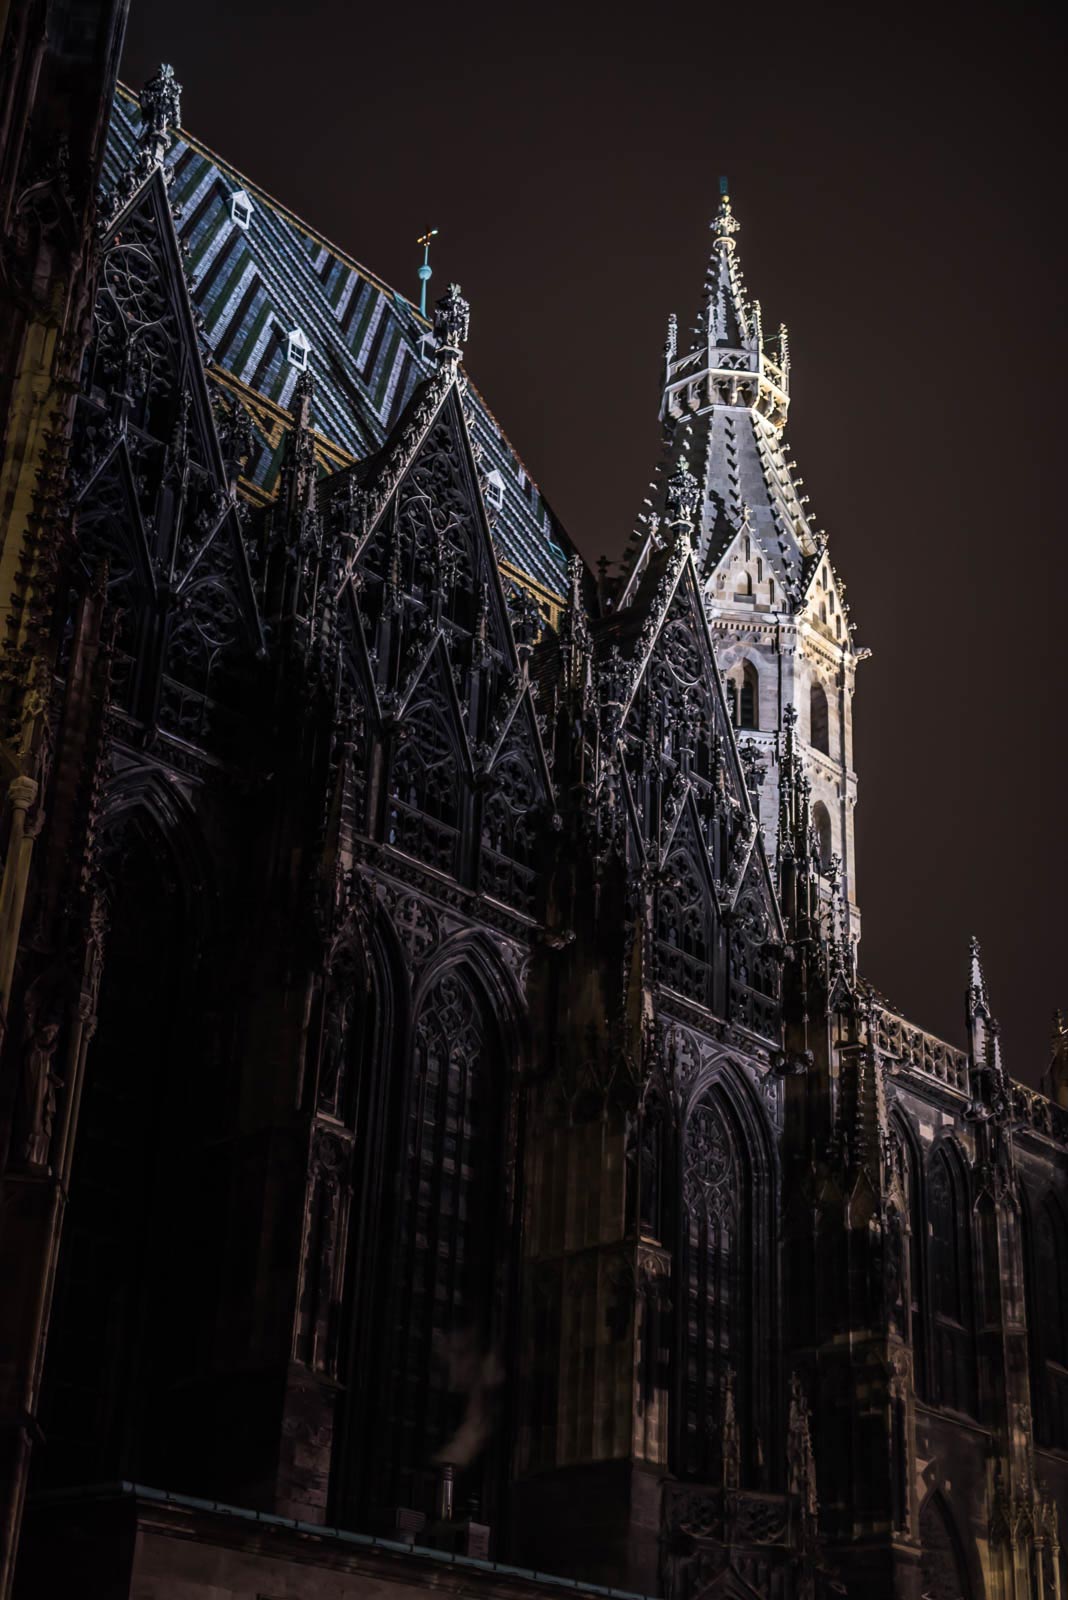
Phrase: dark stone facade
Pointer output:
(428, 1114)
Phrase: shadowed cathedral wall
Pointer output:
(480, 1143)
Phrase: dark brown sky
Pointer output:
(899, 179)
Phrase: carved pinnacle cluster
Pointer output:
(682, 491)
(161, 108)
(452, 321)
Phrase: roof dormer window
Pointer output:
(298, 350)
(240, 208)
(493, 490)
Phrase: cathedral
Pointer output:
(447, 1139)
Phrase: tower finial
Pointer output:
(425, 269)
(724, 224)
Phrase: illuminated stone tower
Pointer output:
(774, 602)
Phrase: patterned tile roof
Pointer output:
(255, 285)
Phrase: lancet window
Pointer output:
(821, 821)
(1048, 1316)
(942, 1563)
(449, 1203)
(950, 1367)
(715, 1339)
(819, 726)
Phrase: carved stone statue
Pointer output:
(339, 1007)
(39, 1084)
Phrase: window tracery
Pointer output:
(715, 1343)
(424, 790)
(441, 1307)
(509, 832)
(950, 1368)
(684, 928)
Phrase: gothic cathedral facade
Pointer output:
(446, 1137)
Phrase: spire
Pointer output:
(728, 318)
(989, 1083)
(978, 1013)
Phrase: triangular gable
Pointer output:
(432, 443)
(111, 486)
(520, 734)
(824, 601)
(685, 833)
(434, 685)
(754, 881)
(142, 283)
(681, 596)
(747, 567)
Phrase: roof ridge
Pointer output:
(350, 261)
(285, 211)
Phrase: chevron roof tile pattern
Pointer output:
(255, 285)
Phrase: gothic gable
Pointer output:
(427, 643)
(154, 491)
(745, 572)
(677, 738)
(824, 602)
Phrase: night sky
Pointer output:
(899, 181)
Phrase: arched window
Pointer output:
(821, 822)
(713, 1430)
(819, 733)
(944, 1574)
(449, 1202)
(749, 698)
(745, 583)
(950, 1370)
(1048, 1317)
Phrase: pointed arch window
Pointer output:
(713, 1396)
(950, 1368)
(818, 719)
(944, 1574)
(440, 1305)
(1048, 1319)
(749, 697)
(821, 822)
